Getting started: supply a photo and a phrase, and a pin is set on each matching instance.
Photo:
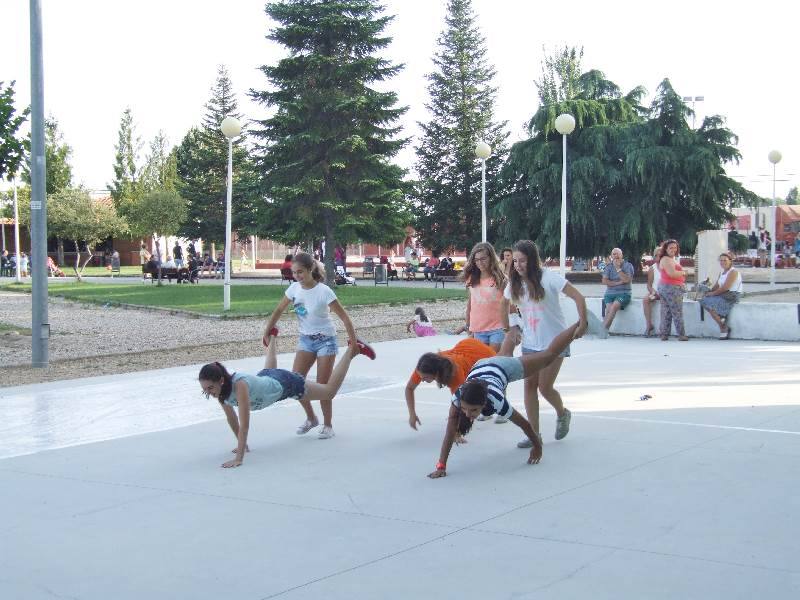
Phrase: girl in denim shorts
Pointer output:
(247, 392)
(313, 301)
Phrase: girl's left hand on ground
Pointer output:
(236, 462)
(535, 457)
(437, 473)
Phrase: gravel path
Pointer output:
(93, 340)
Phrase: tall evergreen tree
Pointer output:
(462, 113)
(159, 172)
(202, 168)
(12, 148)
(635, 175)
(125, 186)
(326, 152)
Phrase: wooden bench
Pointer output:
(444, 275)
(179, 274)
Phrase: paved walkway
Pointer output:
(112, 486)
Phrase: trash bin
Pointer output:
(380, 275)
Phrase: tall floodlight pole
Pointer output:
(565, 124)
(40, 328)
(231, 128)
(693, 100)
(483, 151)
(16, 232)
(774, 157)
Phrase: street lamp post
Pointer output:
(693, 99)
(565, 124)
(774, 157)
(231, 128)
(16, 232)
(483, 151)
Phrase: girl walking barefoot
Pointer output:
(486, 387)
(313, 302)
(536, 291)
(268, 386)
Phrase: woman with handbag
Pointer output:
(725, 293)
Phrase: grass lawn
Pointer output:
(8, 328)
(245, 299)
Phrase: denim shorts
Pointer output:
(492, 336)
(624, 298)
(511, 365)
(319, 344)
(293, 384)
(564, 354)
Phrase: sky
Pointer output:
(160, 59)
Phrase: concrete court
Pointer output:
(691, 494)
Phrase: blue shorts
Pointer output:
(492, 336)
(624, 298)
(293, 384)
(318, 344)
(564, 354)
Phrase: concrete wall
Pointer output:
(770, 321)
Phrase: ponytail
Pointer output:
(214, 372)
(305, 260)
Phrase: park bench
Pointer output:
(444, 275)
(179, 274)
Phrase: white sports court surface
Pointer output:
(110, 488)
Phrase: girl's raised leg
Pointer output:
(326, 391)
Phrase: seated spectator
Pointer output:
(412, 267)
(287, 262)
(206, 264)
(617, 278)
(653, 279)
(447, 264)
(391, 268)
(219, 265)
(170, 264)
(431, 265)
(725, 293)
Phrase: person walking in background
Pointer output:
(651, 297)
(725, 293)
(313, 302)
(535, 291)
(617, 278)
(671, 289)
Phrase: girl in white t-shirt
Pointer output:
(536, 291)
(313, 302)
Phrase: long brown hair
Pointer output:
(305, 260)
(533, 273)
(214, 372)
(440, 367)
(472, 273)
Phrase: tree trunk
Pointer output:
(77, 266)
(158, 255)
(60, 250)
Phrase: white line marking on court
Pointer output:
(707, 425)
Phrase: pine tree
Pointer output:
(202, 168)
(125, 186)
(462, 113)
(159, 172)
(326, 152)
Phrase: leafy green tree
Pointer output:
(202, 169)
(125, 186)
(12, 148)
(791, 197)
(158, 213)
(325, 154)
(635, 176)
(462, 111)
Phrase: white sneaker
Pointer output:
(306, 427)
(326, 433)
(498, 420)
(483, 418)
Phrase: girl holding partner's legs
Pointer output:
(313, 302)
(247, 392)
(486, 387)
(536, 291)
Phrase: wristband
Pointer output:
(440, 466)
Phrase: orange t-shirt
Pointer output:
(463, 355)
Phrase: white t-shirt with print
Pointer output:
(541, 321)
(312, 308)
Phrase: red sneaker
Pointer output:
(365, 349)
